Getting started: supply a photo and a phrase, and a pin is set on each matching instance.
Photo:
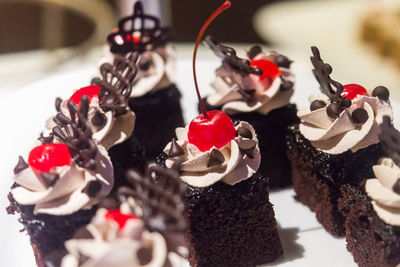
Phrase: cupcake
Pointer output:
(154, 97)
(335, 143)
(257, 89)
(372, 211)
(118, 237)
(57, 190)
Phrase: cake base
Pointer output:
(271, 131)
(371, 241)
(318, 176)
(158, 114)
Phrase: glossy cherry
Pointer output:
(269, 68)
(351, 91)
(216, 130)
(119, 217)
(91, 91)
(44, 157)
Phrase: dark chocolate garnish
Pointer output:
(21, 165)
(236, 122)
(381, 92)
(228, 55)
(283, 61)
(216, 158)
(244, 132)
(46, 139)
(138, 33)
(396, 187)
(247, 144)
(58, 104)
(144, 64)
(254, 51)
(176, 150)
(334, 110)
(390, 140)
(248, 95)
(317, 104)
(76, 133)
(82, 233)
(144, 255)
(116, 83)
(345, 102)
(49, 178)
(286, 84)
(93, 188)
(99, 119)
(359, 115)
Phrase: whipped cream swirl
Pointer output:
(230, 85)
(156, 69)
(241, 159)
(385, 201)
(336, 136)
(106, 244)
(69, 190)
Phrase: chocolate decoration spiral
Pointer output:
(228, 55)
(75, 131)
(390, 140)
(116, 83)
(123, 41)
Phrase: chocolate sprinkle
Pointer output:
(49, 178)
(254, 51)
(21, 165)
(317, 104)
(144, 255)
(381, 92)
(216, 158)
(93, 188)
(58, 104)
(176, 150)
(334, 110)
(99, 119)
(396, 187)
(359, 115)
(244, 132)
(228, 55)
(390, 140)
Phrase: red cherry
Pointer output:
(216, 130)
(47, 156)
(118, 217)
(91, 91)
(351, 91)
(269, 68)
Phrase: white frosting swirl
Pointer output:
(237, 166)
(68, 194)
(115, 130)
(267, 97)
(336, 136)
(111, 246)
(160, 74)
(385, 201)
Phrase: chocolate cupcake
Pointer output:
(372, 211)
(154, 97)
(258, 89)
(336, 142)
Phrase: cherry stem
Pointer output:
(222, 8)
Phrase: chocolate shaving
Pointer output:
(216, 158)
(58, 104)
(135, 35)
(390, 140)
(176, 150)
(254, 51)
(49, 178)
(228, 55)
(116, 83)
(76, 133)
(21, 165)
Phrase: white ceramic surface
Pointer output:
(22, 118)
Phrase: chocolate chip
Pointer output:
(396, 187)
(381, 92)
(144, 255)
(216, 158)
(82, 233)
(21, 165)
(144, 64)
(283, 61)
(286, 85)
(49, 178)
(244, 132)
(58, 104)
(359, 115)
(93, 188)
(254, 51)
(99, 119)
(334, 110)
(345, 102)
(176, 150)
(247, 144)
(317, 104)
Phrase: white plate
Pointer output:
(23, 116)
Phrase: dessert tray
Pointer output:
(23, 115)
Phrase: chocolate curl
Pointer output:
(390, 140)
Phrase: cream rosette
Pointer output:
(108, 130)
(267, 97)
(385, 201)
(238, 160)
(105, 244)
(69, 191)
(336, 136)
(156, 69)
